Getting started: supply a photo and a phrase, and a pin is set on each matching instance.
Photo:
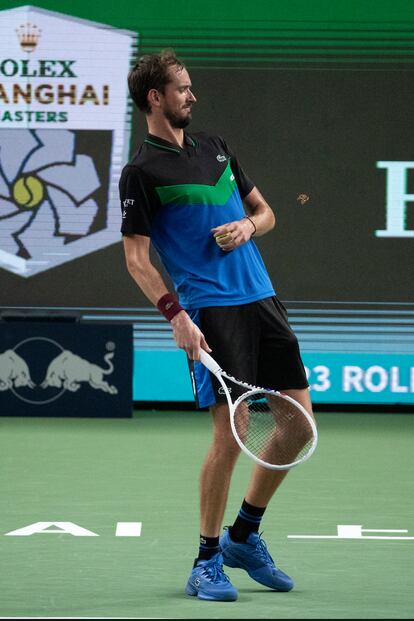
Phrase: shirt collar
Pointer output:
(166, 145)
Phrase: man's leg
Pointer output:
(264, 482)
(241, 544)
(208, 580)
(216, 473)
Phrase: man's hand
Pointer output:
(233, 234)
(188, 336)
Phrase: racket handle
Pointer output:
(209, 362)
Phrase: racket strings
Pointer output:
(273, 429)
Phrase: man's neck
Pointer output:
(165, 131)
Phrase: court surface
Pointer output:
(96, 473)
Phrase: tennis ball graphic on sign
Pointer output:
(28, 191)
(59, 168)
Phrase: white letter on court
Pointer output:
(68, 528)
(128, 529)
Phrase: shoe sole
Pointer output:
(192, 591)
(230, 563)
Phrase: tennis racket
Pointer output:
(273, 429)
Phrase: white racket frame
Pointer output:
(209, 362)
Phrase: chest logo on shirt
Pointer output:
(221, 158)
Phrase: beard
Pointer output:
(178, 121)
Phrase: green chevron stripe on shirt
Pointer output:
(199, 194)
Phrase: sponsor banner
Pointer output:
(333, 377)
(65, 125)
(49, 369)
(360, 378)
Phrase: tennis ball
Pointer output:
(222, 235)
(28, 191)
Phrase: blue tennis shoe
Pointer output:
(253, 557)
(208, 581)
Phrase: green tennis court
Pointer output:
(98, 473)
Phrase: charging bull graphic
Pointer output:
(14, 372)
(68, 370)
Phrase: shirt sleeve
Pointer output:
(244, 183)
(137, 205)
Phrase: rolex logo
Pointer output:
(28, 35)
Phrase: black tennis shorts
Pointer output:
(252, 342)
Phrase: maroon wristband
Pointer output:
(169, 306)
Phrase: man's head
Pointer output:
(160, 84)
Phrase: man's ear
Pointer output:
(153, 98)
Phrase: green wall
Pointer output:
(221, 13)
(217, 32)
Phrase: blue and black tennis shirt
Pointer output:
(176, 196)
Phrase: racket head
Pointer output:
(273, 429)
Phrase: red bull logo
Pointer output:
(66, 371)
(14, 372)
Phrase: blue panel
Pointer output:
(161, 376)
(360, 378)
(333, 377)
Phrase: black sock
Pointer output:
(247, 521)
(209, 546)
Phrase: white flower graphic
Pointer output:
(45, 193)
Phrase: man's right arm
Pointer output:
(137, 255)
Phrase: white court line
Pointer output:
(355, 531)
(336, 537)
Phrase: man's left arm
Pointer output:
(260, 219)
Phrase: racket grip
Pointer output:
(209, 362)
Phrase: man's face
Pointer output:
(177, 101)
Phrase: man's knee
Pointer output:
(223, 438)
(302, 396)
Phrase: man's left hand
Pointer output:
(233, 234)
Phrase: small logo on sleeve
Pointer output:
(221, 158)
(126, 203)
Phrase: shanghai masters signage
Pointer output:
(64, 136)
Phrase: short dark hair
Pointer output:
(151, 71)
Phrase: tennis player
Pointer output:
(187, 194)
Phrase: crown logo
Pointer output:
(28, 35)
